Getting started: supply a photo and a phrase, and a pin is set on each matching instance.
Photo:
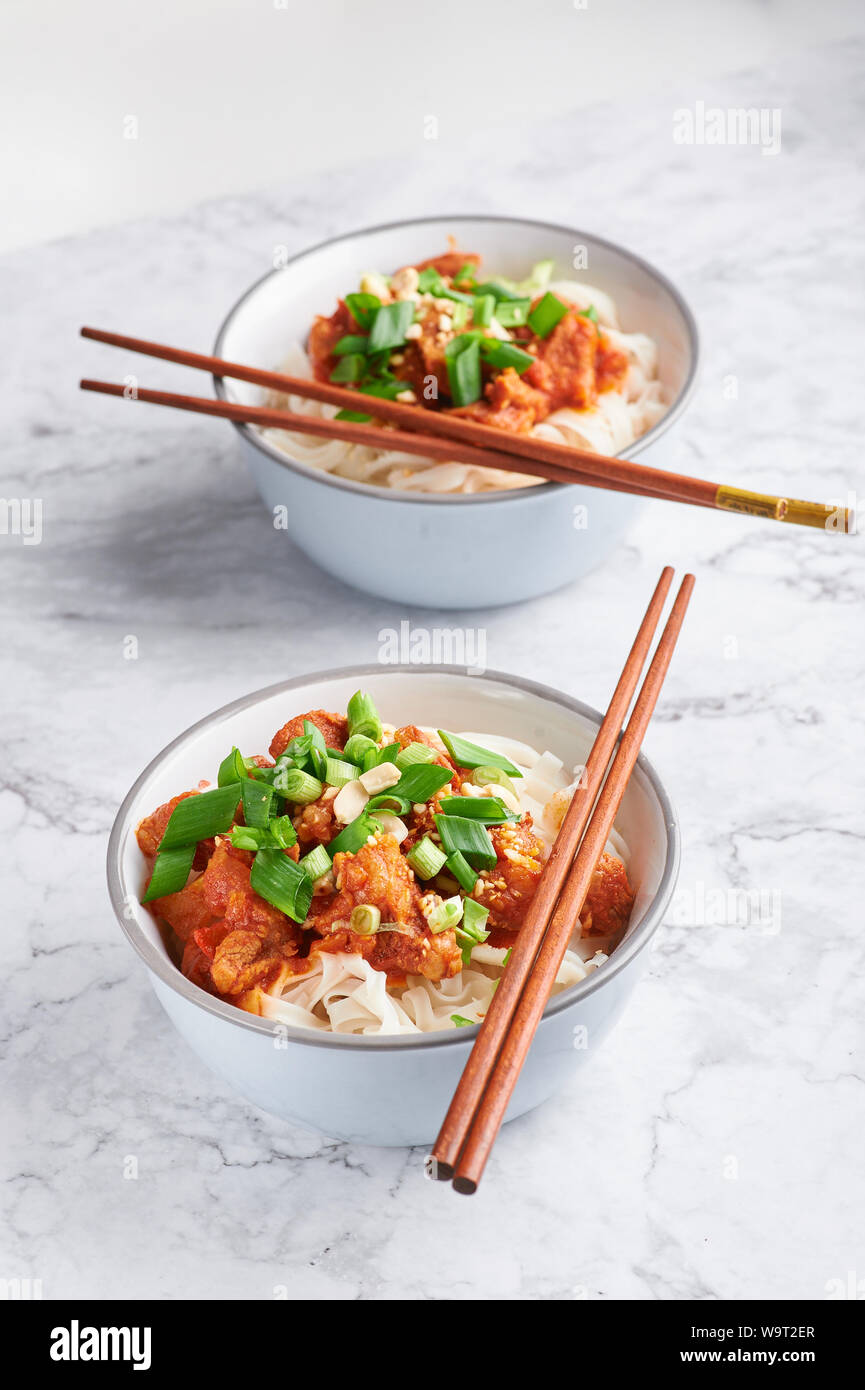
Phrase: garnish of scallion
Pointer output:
(280, 881)
(546, 314)
(389, 324)
(199, 817)
(463, 362)
(468, 838)
(471, 755)
(170, 872)
(363, 717)
(426, 858)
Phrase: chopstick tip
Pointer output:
(466, 1186)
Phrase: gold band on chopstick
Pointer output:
(820, 514)
(736, 499)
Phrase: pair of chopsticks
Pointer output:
(448, 437)
(478, 1107)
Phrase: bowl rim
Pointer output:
(170, 975)
(677, 407)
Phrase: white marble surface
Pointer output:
(712, 1148)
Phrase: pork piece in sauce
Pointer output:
(609, 900)
(380, 876)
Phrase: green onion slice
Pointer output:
(499, 291)
(469, 838)
(464, 369)
(280, 881)
(389, 324)
(426, 858)
(298, 786)
(361, 307)
(483, 309)
(466, 274)
(317, 750)
(352, 342)
(485, 776)
(546, 314)
(357, 417)
(231, 769)
(257, 798)
(316, 863)
(461, 1022)
(420, 781)
(355, 834)
(513, 313)
(414, 753)
(590, 313)
(357, 748)
(467, 754)
(170, 872)
(388, 754)
(365, 919)
(483, 808)
(363, 717)
(198, 817)
(475, 919)
(445, 915)
(337, 772)
(350, 368)
(462, 871)
(501, 355)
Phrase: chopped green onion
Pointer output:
(355, 835)
(466, 754)
(361, 307)
(363, 717)
(298, 786)
(546, 314)
(466, 273)
(506, 957)
(462, 1022)
(282, 832)
(389, 324)
(485, 776)
(374, 758)
(250, 837)
(414, 753)
(462, 871)
(484, 808)
(382, 390)
(352, 342)
(317, 749)
(296, 753)
(426, 858)
(420, 781)
(483, 309)
(365, 919)
(386, 801)
(590, 313)
(470, 932)
(428, 279)
(357, 747)
(350, 368)
(280, 881)
(170, 872)
(501, 355)
(198, 817)
(464, 369)
(460, 315)
(469, 837)
(445, 916)
(257, 799)
(513, 313)
(231, 769)
(499, 291)
(356, 416)
(337, 772)
(475, 919)
(316, 863)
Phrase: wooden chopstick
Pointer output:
(634, 476)
(491, 1103)
(426, 446)
(481, 1061)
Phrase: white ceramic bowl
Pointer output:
(450, 551)
(385, 1090)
